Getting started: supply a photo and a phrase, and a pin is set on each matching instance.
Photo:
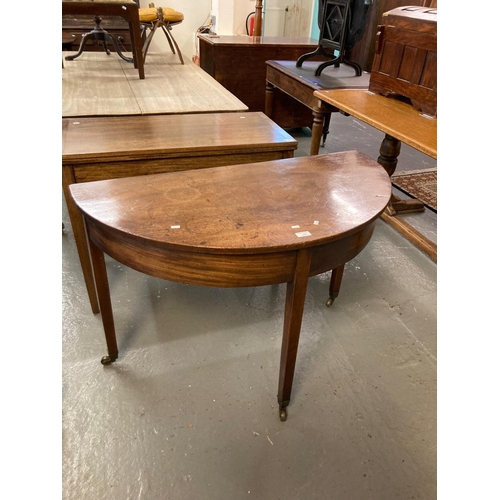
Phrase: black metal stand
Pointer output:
(333, 31)
(99, 35)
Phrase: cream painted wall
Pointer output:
(230, 20)
(241, 10)
(231, 15)
(195, 14)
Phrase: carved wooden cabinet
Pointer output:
(405, 61)
(364, 51)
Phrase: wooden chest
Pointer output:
(405, 61)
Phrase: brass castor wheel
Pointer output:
(107, 360)
(329, 302)
(283, 414)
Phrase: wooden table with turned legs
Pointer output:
(247, 225)
(301, 83)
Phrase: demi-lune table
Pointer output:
(266, 223)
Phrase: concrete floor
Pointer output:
(189, 410)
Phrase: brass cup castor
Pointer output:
(283, 414)
(107, 360)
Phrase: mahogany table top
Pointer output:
(308, 43)
(114, 138)
(243, 209)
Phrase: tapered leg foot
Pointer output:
(335, 282)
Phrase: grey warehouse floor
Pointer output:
(189, 410)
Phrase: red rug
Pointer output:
(419, 184)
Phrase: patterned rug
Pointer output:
(419, 184)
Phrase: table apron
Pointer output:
(224, 270)
(300, 92)
(90, 171)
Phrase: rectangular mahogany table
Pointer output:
(124, 146)
(247, 225)
(401, 122)
(301, 83)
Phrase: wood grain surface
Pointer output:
(269, 206)
(120, 138)
(390, 115)
(243, 225)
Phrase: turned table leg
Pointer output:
(294, 307)
(268, 106)
(102, 285)
(389, 152)
(317, 131)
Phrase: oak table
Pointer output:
(301, 83)
(401, 122)
(237, 226)
(123, 146)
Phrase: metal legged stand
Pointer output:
(99, 35)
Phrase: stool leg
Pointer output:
(171, 40)
(148, 38)
(102, 285)
(167, 34)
